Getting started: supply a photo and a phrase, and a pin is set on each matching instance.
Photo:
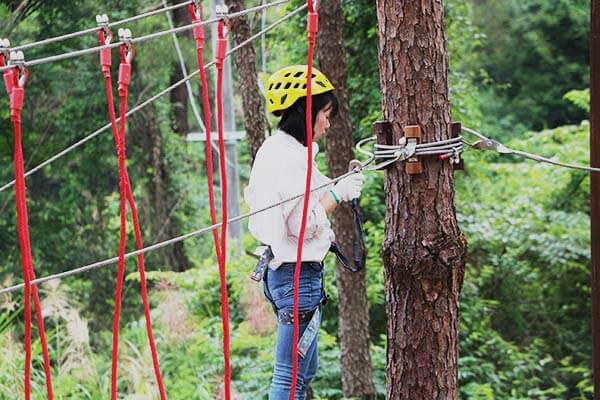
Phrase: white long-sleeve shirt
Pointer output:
(278, 173)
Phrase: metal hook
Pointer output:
(5, 49)
(490, 144)
(125, 37)
(104, 25)
(17, 59)
(222, 11)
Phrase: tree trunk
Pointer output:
(353, 311)
(255, 119)
(424, 251)
(178, 96)
(161, 210)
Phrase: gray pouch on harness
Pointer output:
(310, 333)
(262, 264)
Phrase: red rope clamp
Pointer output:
(221, 51)
(105, 37)
(127, 53)
(195, 11)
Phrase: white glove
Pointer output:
(350, 187)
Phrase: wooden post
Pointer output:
(413, 165)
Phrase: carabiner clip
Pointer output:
(17, 59)
(127, 48)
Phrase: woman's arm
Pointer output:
(329, 203)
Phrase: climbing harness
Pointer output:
(15, 79)
(127, 53)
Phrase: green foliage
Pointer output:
(534, 52)
(524, 309)
(522, 334)
(581, 98)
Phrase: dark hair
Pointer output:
(293, 120)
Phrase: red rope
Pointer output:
(16, 90)
(196, 15)
(126, 195)
(221, 50)
(312, 27)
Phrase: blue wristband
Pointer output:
(335, 197)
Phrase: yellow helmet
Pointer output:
(288, 84)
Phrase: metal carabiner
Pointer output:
(125, 37)
(5, 51)
(17, 59)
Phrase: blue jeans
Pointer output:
(279, 290)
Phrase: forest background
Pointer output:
(519, 72)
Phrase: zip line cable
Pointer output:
(144, 38)
(181, 238)
(153, 98)
(486, 143)
(95, 29)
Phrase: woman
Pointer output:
(278, 173)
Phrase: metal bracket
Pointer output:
(5, 49)
(102, 20)
(222, 11)
(412, 133)
(125, 35)
(104, 26)
(490, 144)
(456, 159)
(17, 59)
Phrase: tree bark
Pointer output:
(145, 131)
(353, 311)
(178, 96)
(424, 251)
(255, 119)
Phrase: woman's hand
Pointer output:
(350, 187)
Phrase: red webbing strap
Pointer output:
(16, 87)
(221, 49)
(196, 14)
(312, 28)
(126, 195)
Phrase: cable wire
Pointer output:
(178, 239)
(153, 98)
(490, 144)
(95, 29)
(144, 38)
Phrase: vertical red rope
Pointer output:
(221, 48)
(16, 90)
(196, 15)
(126, 195)
(312, 27)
